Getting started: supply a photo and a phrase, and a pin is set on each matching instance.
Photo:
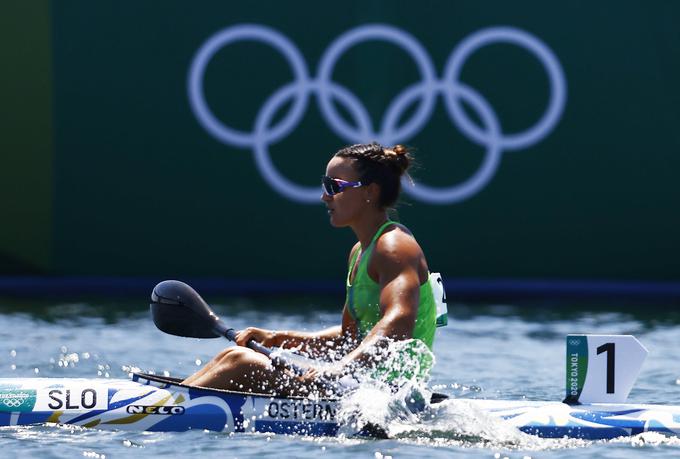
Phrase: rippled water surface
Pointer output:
(499, 352)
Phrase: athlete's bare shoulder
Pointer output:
(397, 250)
(398, 241)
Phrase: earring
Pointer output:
(368, 200)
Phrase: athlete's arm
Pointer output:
(397, 263)
(313, 344)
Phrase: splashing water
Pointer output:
(395, 396)
(460, 422)
(393, 390)
(391, 385)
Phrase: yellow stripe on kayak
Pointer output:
(54, 417)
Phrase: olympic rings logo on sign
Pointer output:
(390, 132)
(13, 402)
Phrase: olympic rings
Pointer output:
(425, 92)
(12, 402)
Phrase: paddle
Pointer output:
(179, 310)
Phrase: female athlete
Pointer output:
(388, 293)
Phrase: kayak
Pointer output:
(162, 404)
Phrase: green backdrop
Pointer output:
(108, 171)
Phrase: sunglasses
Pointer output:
(332, 186)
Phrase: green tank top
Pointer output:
(363, 297)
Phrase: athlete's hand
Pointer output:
(324, 382)
(267, 338)
(309, 376)
(323, 376)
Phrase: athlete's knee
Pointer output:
(229, 353)
(239, 357)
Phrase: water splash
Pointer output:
(392, 390)
(460, 423)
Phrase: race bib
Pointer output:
(439, 299)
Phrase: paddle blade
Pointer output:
(177, 309)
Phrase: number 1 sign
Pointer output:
(602, 368)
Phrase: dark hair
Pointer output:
(376, 163)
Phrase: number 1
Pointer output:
(439, 279)
(610, 349)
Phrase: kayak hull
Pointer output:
(597, 421)
(155, 403)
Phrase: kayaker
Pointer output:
(388, 293)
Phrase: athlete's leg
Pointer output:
(244, 370)
(207, 367)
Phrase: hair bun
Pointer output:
(399, 157)
(399, 150)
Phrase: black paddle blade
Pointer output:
(177, 309)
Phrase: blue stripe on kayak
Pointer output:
(210, 417)
(121, 403)
(28, 417)
(457, 289)
(586, 433)
(34, 417)
(88, 415)
(609, 418)
(298, 428)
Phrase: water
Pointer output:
(496, 352)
